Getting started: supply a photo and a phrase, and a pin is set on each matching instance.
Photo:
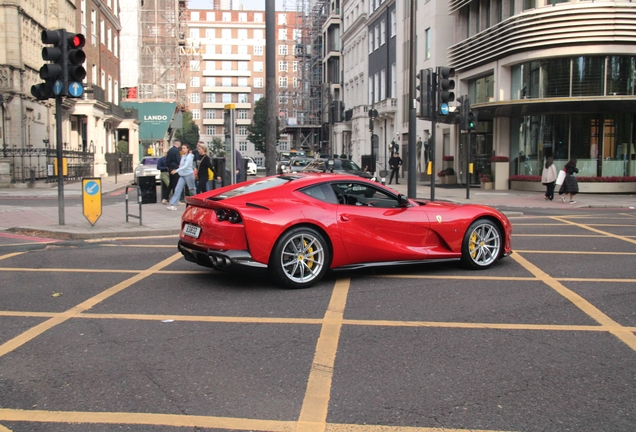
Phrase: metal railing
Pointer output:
(39, 164)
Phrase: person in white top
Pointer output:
(548, 178)
(186, 176)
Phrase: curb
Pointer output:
(77, 235)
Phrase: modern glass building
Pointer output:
(550, 78)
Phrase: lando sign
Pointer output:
(155, 118)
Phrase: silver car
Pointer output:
(147, 167)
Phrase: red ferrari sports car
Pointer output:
(299, 225)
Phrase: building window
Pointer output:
(194, 33)
(258, 66)
(227, 97)
(227, 16)
(195, 65)
(258, 82)
(242, 49)
(226, 66)
(258, 50)
(282, 66)
(210, 114)
(427, 43)
(242, 114)
(242, 130)
(93, 28)
(226, 34)
(297, 34)
(210, 33)
(242, 65)
(258, 34)
(242, 82)
(382, 32)
(210, 49)
(210, 130)
(282, 19)
(282, 34)
(295, 84)
(383, 84)
(242, 17)
(195, 98)
(196, 114)
(370, 41)
(194, 16)
(243, 146)
(242, 34)
(258, 96)
(227, 82)
(226, 49)
(195, 81)
(295, 66)
(210, 81)
(210, 98)
(376, 33)
(243, 98)
(393, 23)
(102, 32)
(282, 82)
(109, 39)
(258, 17)
(282, 50)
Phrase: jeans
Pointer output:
(187, 179)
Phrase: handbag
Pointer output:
(560, 177)
(210, 174)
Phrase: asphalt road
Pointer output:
(126, 335)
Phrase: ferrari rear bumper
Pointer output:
(220, 260)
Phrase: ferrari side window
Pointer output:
(359, 194)
(322, 192)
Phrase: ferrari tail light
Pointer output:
(231, 216)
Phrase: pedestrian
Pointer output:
(239, 166)
(172, 160)
(548, 178)
(395, 163)
(570, 185)
(204, 169)
(186, 177)
(164, 176)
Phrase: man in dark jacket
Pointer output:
(172, 160)
(162, 166)
(395, 163)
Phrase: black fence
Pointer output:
(119, 163)
(39, 164)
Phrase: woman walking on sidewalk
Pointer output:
(570, 185)
(548, 178)
(186, 177)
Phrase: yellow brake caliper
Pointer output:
(473, 245)
(310, 262)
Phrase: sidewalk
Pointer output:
(157, 221)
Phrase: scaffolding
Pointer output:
(160, 68)
(307, 131)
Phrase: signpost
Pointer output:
(92, 198)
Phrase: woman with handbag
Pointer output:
(548, 178)
(570, 185)
(205, 166)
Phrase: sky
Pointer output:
(247, 4)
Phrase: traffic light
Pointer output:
(471, 120)
(423, 96)
(464, 106)
(445, 85)
(75, 57)
(228, 123)
(53, 71)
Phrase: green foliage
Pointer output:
(189, 134)
(122, 146)
(256, 131)
(218, 147)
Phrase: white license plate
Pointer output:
(191, 230)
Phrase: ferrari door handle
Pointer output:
(344, 218)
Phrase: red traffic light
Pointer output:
(76, 40)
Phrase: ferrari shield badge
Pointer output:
(439, 218)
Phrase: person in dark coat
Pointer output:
(395, 163)
(202, 170)
(162, 166)
(172, 160)
(570, 185)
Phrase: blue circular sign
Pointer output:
(91, 187)
(443, 109)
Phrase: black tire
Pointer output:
(482, 244)
(300, 258)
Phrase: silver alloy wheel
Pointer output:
(303, 257)
(484, 243)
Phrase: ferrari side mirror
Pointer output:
(403, 200)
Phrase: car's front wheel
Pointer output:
(482, 244)
(300, 258)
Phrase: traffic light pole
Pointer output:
(433, 87)
(467, 157)
(412, 145)
(60, 154)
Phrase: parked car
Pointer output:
(282, 158)
(251, 166)
(147, 167)
(296, 164)
(297, 226)
(341, 166)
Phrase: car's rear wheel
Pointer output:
(300, 258)
(482, 244)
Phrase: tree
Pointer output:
(189, 133)
(218, 147)
(256, 131)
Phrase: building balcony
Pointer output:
(227, 73)
(386, 107)
(227, 89)
(227, 57)
(212, 122)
